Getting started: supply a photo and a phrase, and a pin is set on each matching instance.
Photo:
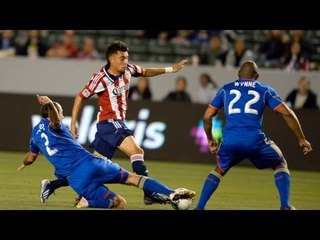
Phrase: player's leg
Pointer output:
(283, 183)
(130, 147)
(224, 161)
(49, 186)
(88, 179)
(209, 187)
(106, 171)
(153, 185)
(270, 155)
(114, 134)
(112, 201)
(101, 197)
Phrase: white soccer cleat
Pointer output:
(182, 193)
(83, 203)
(46, 190)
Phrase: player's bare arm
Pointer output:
(28, 160)
(294, 124)
(54, 115)
(75, 114)
(207, 120)
(150, 72)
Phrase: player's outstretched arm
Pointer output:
(294, 124)
(28, 159)
(151, 72)
(207, 120)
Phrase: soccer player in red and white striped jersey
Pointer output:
(112, 84)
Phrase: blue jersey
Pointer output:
(58, 146)
(244, 101)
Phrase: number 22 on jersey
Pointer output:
(247, 107)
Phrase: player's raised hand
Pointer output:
(306, 146)
(43, 100)
(179, 66)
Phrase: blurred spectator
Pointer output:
(88, 50)
(66, 49)
(307, 49)
(214, 54)
(141, 91)
(180, 93)
(163, 37)
(34, 47)
(207, 89)
(7, 44)
(238, 54)
(181, 38)
(201, 37)
(302, 97)
(294, 60)
(271, 50)
(228, 37)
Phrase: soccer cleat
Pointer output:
(83, 203)
(46, 190)
(181, 193)
(77, 200)
(288, 208)
(155, 198)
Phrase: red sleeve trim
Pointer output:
(213, 107)
(276, 109)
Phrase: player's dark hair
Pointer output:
(114, 47)
(44, 110)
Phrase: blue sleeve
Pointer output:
(218, 100)
(272, 98)
(33, 146)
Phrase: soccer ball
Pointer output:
(182, 204)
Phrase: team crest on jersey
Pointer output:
(85, 93)
(118, 90)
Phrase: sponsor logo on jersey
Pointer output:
(118, 90)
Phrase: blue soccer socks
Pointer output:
(210, 185)
(282, 181)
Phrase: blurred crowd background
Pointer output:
(285, 50)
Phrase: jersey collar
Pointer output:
(246, 79)
(111, 77)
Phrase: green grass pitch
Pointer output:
(243, 188)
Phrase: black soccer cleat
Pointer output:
(155, 198)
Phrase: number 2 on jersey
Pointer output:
(49, 150)
(247, 107)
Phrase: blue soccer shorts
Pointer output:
(89, 178)
(110, 133)
(259, 149)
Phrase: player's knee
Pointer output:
(220, 171)
(119, 202)
(283, 164)
(139, 150)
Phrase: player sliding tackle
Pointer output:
(85, 173)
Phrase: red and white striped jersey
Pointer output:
(112, 91)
